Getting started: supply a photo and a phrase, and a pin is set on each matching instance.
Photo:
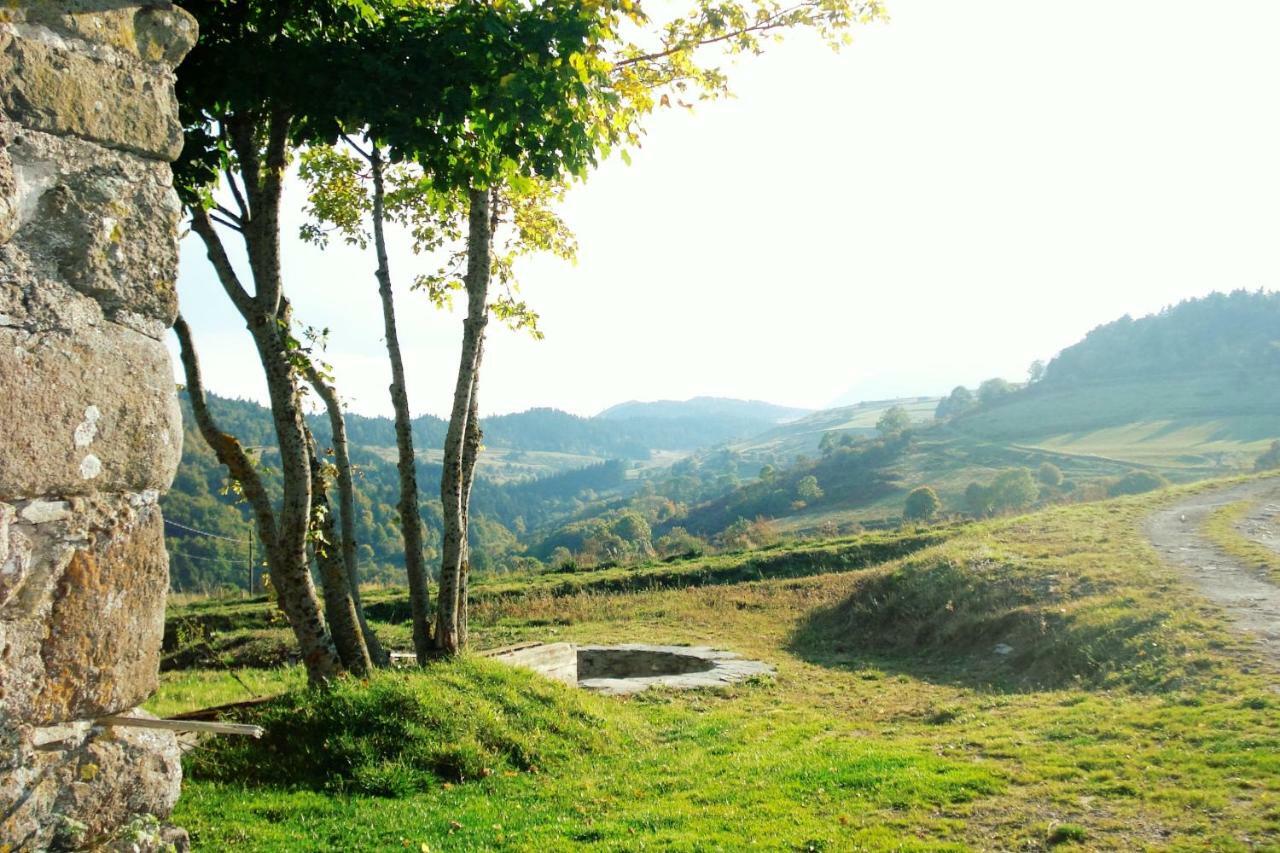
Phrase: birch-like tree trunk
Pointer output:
(296, 598)
(262, 163)
(406, 465)
(347, 503)
(455, 478)
(339, 605)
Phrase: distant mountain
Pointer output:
(628, 436)
(704, 408)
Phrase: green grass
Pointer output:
(400, 733)
(1095, 613)
(250, 632)
(190, 690)
(1222, 528)
(1210, 424)
(1126, 716)
(803, 435)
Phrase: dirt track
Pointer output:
(1251, 603)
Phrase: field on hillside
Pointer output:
(802, 436)
(1191, 425)
(502, 465)
(1120, 715)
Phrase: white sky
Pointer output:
(964, 189)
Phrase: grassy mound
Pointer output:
(1061, 597)
(399, 733)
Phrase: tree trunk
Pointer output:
(301, 610)
(261, 148)
(410, 522)
(454, 488)
(339, 606)
(347, 502)
(470, 453)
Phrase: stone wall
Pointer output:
(90, 432)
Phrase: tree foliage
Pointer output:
(922, 504)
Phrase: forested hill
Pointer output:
(1221, 332)
(633, 436)
(540, 467)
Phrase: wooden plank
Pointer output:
(216, 711)
(181, 725)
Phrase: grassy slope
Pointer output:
(1185, 428)
(1222, 528)
(803, 435)
(1125, 717)
(1200, 424)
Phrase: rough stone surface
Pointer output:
(635, 667)
(90, 776)
(90, 431)
(557, 661)
(92, 90)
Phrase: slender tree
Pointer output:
(320, 381)
(297, 596)
(339, 604)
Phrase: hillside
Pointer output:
(804, 434)
(705, 407)
(1188, 393)
(539, 467)
(1194, 390)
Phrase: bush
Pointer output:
(1136, 482)
(1050, 475)
(922, 504)
(680, 543)
(977, 499)
(399, 733)
(1013, 489)
(1270, 460)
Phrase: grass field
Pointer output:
(502, 465)
(1212, 424)
(1222, 527)
(1123, 716)
(803, 435)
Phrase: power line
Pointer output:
(204, 532)
(220, 562)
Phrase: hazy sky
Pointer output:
(964, 189)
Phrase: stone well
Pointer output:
(634, 667)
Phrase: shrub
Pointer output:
(1270, 460)
(1137, 482)
(1050, 475)
(922, 504)
(977, 499)
(399, 733)
(1013, 489)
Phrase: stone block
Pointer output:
(68, 792)
(82, 622)
(86, 412)
(101, 222)
(52, 84)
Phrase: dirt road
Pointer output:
(1251, 603)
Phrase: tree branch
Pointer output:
(240, 129)
(772, 22)
(225, 446)
(202, 224)
(239, 197)
(226, 223)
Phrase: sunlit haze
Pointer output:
(964, 189)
